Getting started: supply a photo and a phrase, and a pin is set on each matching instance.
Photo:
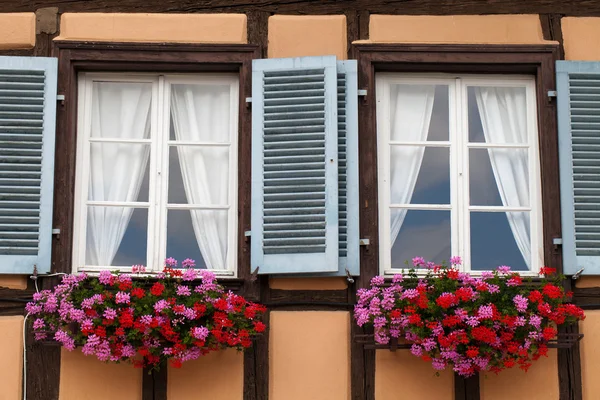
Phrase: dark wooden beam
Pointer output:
(154, 384)
(417, 7)
(466, 388)
(569, 363)
(552, 30)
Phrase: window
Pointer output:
(156, 172)
(458, 170)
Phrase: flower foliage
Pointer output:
(470, 324)
(178, 317)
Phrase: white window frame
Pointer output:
(459, 147)
(158, 166)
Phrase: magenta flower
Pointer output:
(200, 332)
(521, 303)
(109, 313)
(105, 277)
(418, 262)
(188, 263)
(455, 260)
(183, 290)
(189, 274)
(171, 262)
(122, 298)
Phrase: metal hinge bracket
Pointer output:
(362, 92)
(552, 93)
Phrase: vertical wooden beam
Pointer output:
(552, 30)
(154, 384)
(258, 30)
(363, 24)
(466, 388)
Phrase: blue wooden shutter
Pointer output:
(348, 166)
(294, 165)
(27, 126)
(578, 91)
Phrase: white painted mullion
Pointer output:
(421, 143)
(202, 144)
(161, 173)
(498, 145)
(232, 234)
(117, 140)
(383, 171)
(536, 223)
(462, 140)
(422, 206)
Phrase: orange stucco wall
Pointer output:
(216, 376)
(11, 357)
(13, 281)
(310, 35)
(187, 28)
(580, 36)
(401, 371)
(17, 31)
(590, 354)
(540, 382)
(456, 29)
(309, 355)
(85, 378)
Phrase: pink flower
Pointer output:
(122, 298)
(456, 260)
(189, 274)
(171, 262)
(188, 263)
(183, 290)
(138, 268)
(418, 262)
(105, 277)
(200, 332)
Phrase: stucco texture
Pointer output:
(183, 28)
(17, 31)
(580, 37)
(488, 29)
(11, 357)
(540, 382)
(85, 378)
(309, 355)
(400, 375)
(307, 35)
(216, 376)
(590, 354)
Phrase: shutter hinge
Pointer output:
(349, 277)
(557, 242)
(364, 242)
(551, 94)
(247, 235)
(362, 92)
(248, 102)
(254, 274)
(60, 97)
(56, 231)
(577, 274)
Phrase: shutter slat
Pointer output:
(578, 87)
(294, 156)
(27, 120)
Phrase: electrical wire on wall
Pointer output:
(35, 278)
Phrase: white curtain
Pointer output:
(410, 116)
(201, 113)
(503, 112)
(119, 111)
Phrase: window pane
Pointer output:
(499, 177)
(430, 185)
(422, 234)
(419, 112)
(201, 112)
(200, 235)
(497, 115)
(493, 240)
(121, 110)
(199, 175)
(119, 172)
(116, 236)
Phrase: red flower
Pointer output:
(535, 296)
(395, 314)
(446, 300)
(547, 271)
(176, 363)
(451, 320)
(549, 333)
(452, 274)
(138, 292)
(552, 291)
(259, 326)
(157, 289)
(221, 305)
(509, 363)
(483, 334)
(124, 286)
(201, 309)
(472, 352)
(464, 294)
